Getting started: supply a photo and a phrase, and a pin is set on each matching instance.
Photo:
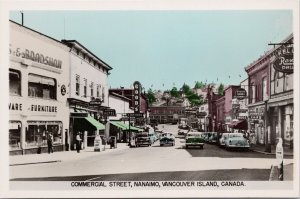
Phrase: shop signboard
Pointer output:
(136, 96)
(135, 114)
(240, 93)
(202, 114)
(109, 112)
(95, 102)
(284, 60)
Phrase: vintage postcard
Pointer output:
(150, 99)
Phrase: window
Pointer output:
(252, 93)
(103, 94)
(264, 89)
(37, 133)
(41, 87)
(14, 135)
(77, 85)
(85, 88)
(98, 90)
(92, 89)
(14, 82)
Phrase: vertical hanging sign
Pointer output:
(136, 96)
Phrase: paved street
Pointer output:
(154, 163)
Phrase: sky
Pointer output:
(162, 49)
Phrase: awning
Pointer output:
(95, 123)
(118, 124)
(241, 124)
(124, 126)
(41, 80)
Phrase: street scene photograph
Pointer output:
(152, 99)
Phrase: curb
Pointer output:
(27, 163)
(268, 153)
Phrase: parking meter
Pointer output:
(279, 158)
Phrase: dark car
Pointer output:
(194, 139)
(143, 139)
(167, 139)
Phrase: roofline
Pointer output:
(119, 96)
(37, 32)
(75, 41)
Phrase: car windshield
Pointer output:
(236, 135)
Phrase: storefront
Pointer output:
(257, 124)
(38, 83)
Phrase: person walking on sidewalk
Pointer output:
(78, 143)
(50, 143)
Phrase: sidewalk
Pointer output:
(61, 156)
(261, 149)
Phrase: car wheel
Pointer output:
(201, 146)
(186, 146)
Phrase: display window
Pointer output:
(15, 135)
(38, 132)
(41, 87)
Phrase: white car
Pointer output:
(223, 138)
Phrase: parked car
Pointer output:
(206, 136)
(236, 140)
(213, 138)
(195, 139)
(143, 139)
(182, 132)
(167, 139)
(153, 137)
(224, 136)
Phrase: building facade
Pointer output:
(229, 103)
(259, 91)
(220, 115)
(88, 96)
(280, 104)
(38, 88)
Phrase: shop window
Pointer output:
(38, 132)
(14, 135)
(41, 87)
(77, 85)
(85, 88)
(14, 82)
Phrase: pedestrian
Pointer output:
(50, 143)
(78, 143)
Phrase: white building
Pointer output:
(203, 113)
(88, 97)
(38, 88)
(120, 104)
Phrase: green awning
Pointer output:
(118, 124)
(95, 123)
(124, 126)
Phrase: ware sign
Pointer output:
(136, 96)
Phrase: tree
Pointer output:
(186, 88)
(221, 89)
(150, 96)
(199, 85)
(174, 92)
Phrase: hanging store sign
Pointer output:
(136, 96)
(135, 114)
(284, 61)
(240, 93)
(96, 102)
(109, 112)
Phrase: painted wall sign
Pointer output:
(42, 108)
(63, 90)
(15, 106)
(240, 93)
(35, 56)
(136, 96)
(284, 61)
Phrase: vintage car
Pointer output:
(153, 137)
(167, 139)
(142, 139)
(236, 140)
(222, 139)
(213, 138)
(195, 139)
